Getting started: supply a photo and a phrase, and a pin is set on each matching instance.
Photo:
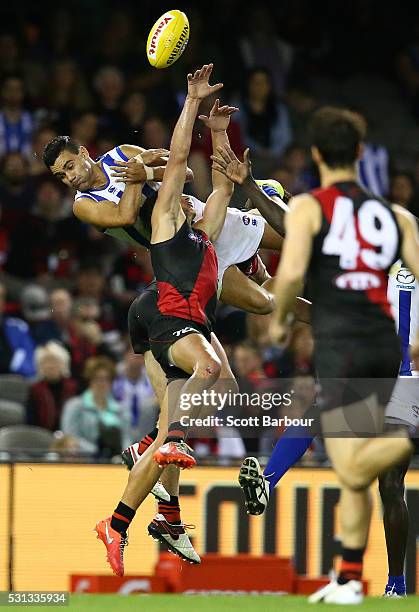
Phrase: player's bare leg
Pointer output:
(194, 355)
(357, 462)
(240, 291)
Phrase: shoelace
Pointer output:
(122, 544)
(184, 447)
(168, 525)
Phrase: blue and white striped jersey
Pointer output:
(403, 295)
(136, 234)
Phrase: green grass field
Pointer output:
(210, 603)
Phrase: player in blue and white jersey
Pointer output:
(402, 409)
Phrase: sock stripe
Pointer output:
(351, 565)
(121, 518)
(176, 433)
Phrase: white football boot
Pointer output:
(255, 486)
(334, 593)
(174, 537)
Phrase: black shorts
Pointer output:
(165, 331)
(140, 316)
(352, 369)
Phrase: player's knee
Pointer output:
(208, 367)
(352, 475)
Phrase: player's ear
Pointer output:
(84, 152)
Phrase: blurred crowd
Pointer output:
(65, 288)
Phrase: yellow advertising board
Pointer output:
(55, 508)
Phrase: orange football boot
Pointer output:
(176, 453)
(115, 543)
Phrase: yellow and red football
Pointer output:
(167, 39)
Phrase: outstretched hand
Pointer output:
(228, 164)
(219, 118)
(198, 86)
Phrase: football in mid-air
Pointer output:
(167, 39)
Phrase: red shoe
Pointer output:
(176, 453)
(115, 543)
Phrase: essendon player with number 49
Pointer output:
(343, 241)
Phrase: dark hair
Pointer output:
(271, 101)
(56, 146)
(337, 133)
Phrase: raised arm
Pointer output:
(239, 172)
(222, 188)
(167, 214)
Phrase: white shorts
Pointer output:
(239, 239)
(404, 403)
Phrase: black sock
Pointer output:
(351, 565)
(176, 433)
(122, 517)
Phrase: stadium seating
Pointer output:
(11, 413)
(14, 388)
(26, 438)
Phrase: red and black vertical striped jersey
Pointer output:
(358, 242)
(186, 273)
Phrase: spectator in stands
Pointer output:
(134, 391)
(156, 134)
(84, 128)
(263, 119)
(53, 387)
(48, 245)
(296, 358)
(109, 84)
(402, 190)
(16, 125)
(95, 418)
(373, 168)
(247, 362)
(293, 171)
(61, 311)
(260, 45)
(86, 336)
(91, 283)
(16, 344)
(134, 109)
(132, 272)
(36, 310)
(68, 93)
(40, 139)
(16, 190)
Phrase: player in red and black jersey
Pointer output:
(345, 240)
(185, 266)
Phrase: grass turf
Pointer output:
(213, 603)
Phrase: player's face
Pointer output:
(74, 170)
(187, 207)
